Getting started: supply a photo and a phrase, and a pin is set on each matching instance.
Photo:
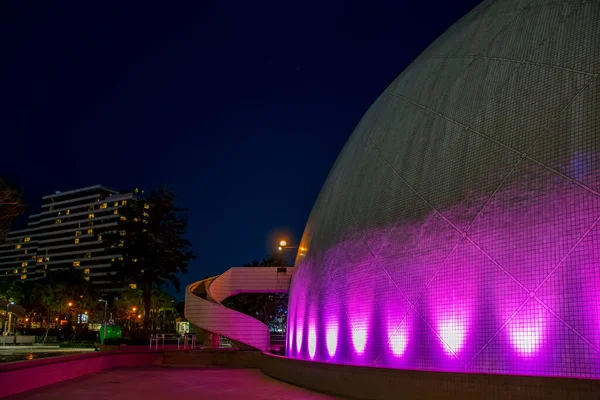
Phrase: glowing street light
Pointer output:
(134, 309)
(282, 243)
(70, 304)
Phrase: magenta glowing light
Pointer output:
(298, 336)
(453, 330)
(526, 335)
(359, 338)
(517, 295)
(331, 337)
(312, 340)
(398, 340)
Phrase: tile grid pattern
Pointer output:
(458, 229)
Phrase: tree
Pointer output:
(11, 206)
(150, 247)
(63, 287)
(269, 308)
(11, 290)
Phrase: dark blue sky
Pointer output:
(240, 107)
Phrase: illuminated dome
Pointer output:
(458, 229)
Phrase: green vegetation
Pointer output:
(151, 240)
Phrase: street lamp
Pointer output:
(105, 306)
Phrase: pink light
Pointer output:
(298, 337)
(398, 340)
(331, 336)
(312, 340)
(453, 330)
(526, 335)
(359, 338)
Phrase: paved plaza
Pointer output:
(171, 383)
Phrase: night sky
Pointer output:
(239, 107)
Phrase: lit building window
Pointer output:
(24, 264)
(68, 212)
(91, 208)
(136, 219)
(116, 204)
(121, 243)
(120, 258)
(90, 231)
(112, 259)
(58, 213)
(123, 218)
(122, 233)
(46, 258)
(87, 278)
(58, 221)
(52, 208)
(103, 205)
(146, 206)
(77, 233)
(18, 246)
(39, 260)
(86, 271)
(99, 237)
(25, 252)
(15, 271)
(116, 212)
(77, 241)
(24, 270)
(124, 202)
(90, 215)
(27, 239)
(88, 255)
(23, 277)
(134, 259)
(132, 286)
(76, 263)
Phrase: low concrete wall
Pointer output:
(22, 376)
(225, 358)
(383, 383)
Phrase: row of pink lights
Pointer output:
(525, 336)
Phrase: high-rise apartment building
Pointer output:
(67, 233)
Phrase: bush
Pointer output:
(76, 345)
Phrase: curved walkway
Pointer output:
(203, 303)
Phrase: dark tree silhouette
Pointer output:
(150, 247)
(11, 206)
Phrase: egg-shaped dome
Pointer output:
(459, 227)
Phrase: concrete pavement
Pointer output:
(171, 383)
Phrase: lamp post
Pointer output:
(105, 307)
(8, 303)
(283, 245)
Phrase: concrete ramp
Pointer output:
(203, 303)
